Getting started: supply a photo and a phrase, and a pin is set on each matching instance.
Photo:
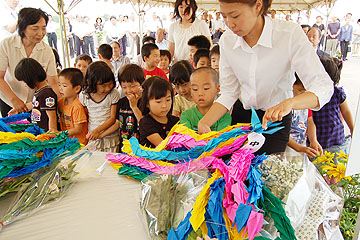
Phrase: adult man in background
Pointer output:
(161, 42)
(332, 39)
(219, 26)
(8, 18)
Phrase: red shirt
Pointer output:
(156, 72)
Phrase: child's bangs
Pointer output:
(159, 90)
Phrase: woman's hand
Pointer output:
(203, 128)
(277, 112)
(19, 106)
(93, 135)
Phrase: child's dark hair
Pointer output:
(57, 58)
(214, 74)
(202, 52)
(98, 73)
(131, 73)
(148, 39)
(164, 52)
(180, 72)
(74, 75)
(84, 57)
(215, 50)
(155, 88)
(146, 50)
(30, 71)
(199, 41)
(105, 50)
(333, 67)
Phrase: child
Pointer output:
(165, 59)
(302, 124)
(105, 53)
(100, 98)
(71, 113)
(44, 103)
(204, 90)
(202, 58)
(82, 62)
(180, 77)
(196, 43)
(329, 127)
(151, 55)
(215, 58)
(128, 114)
(156, 107)
(139, 60)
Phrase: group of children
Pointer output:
(100, 106)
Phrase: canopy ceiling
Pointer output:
(282, 5)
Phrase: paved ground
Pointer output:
(350, 80)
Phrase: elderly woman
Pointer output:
(27, 44)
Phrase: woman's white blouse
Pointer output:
(263, 76)
(180, 36)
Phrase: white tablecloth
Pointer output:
(106, 207)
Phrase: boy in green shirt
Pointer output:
(205, 87)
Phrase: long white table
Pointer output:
(106, 207)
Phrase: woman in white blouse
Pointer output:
(27, 44)
(257, 63)
(185, 28)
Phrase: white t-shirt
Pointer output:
(11, 52)
(180, 36)
(101, 111)
(8, 16)
(262, 76)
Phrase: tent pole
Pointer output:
(60, 4)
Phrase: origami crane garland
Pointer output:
(226, 208)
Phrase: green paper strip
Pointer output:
(20, 127)
(274, 207)
(132, 172)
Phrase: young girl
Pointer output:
(329, 126)
(44, 103)
(100, 98)
(156, 107)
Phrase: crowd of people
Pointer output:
(201, 72)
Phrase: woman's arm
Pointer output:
(53, 82)
(171, 49)
(155, 139)
(52, 120)
(94, 134)
(302, 101)
(18, 105)
(346, 113)
(216, 111)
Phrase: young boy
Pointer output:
(105, 53)
(138, 59)
(202, 58)
(151, 55)
(196, 43)
(128, 113)
(302, 124)
(204, 90)
(82, 62)
(165, 57)
(215, 58)
(72, 114)
(180, 77)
